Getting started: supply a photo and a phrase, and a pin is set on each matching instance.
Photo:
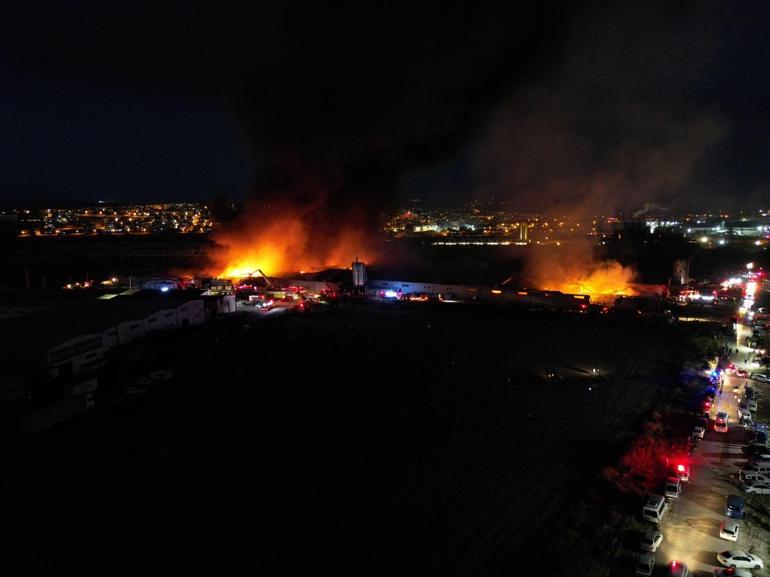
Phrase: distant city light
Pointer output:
(117, 219)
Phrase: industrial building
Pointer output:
(118, 323)
(51, 351)
(533, 298)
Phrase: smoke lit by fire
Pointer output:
(282, 242)
(574, 270)
(602, 281)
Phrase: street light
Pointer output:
(749, 265)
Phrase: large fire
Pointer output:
(603, 281)
(574, 269)
(284, 243)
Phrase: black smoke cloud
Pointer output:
(629, 118)
(332, 99)
(367, 92)
(646, 101)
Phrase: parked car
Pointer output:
(759, 450)
(752, 405)
(699, 432)
(731, 572)
(760, 377)
(645, 564)
(678, 569)
(136, 389)
(757, 487)
(673, 488)
(744, 476)
(683, 472)
(651, 541)
(729, 529)
(654, 509)
(762, 467)
(740, 560)
(747, 422)
(735, 506)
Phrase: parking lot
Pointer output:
(691, 530)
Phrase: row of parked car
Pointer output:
(654, 510)
(753, 478)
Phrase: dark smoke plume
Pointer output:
(359, 95)
(603, 104)
(619, 124)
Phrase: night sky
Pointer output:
(593, 104)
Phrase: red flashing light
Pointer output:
(674, 564)
(680, 468)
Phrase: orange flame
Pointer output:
(603, 281)
(283, 243)
(574, 269)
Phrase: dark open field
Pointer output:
(374, 441)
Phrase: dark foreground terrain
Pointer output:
(377, 440)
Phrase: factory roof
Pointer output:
(27, 338)
(483, 276)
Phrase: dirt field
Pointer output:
(381, 441)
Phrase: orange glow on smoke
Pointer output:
(284, 243)
(602, 281)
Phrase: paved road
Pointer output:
(691, 531)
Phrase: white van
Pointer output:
(673, 488)
(655, 508)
